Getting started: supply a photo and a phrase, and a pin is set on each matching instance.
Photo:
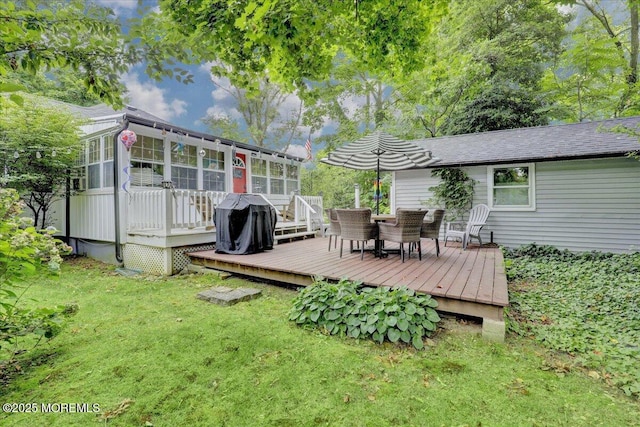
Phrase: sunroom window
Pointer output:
(184, 169)
(292, 178)
(147, 162)
(259, 176)
(276, 170)
(94, 162)
(213, 178)
(511, 187)
(107, 164)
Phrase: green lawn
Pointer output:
(149, 353)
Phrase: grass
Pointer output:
(149, 353)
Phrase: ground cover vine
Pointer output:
(587, 305)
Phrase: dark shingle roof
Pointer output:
(141, 117)
(103, 110)
(542, 143)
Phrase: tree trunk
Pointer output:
(632, 77)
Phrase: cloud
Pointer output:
(123, 7)
(219, 110)
(149, 97)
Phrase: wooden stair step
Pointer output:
(290, 236)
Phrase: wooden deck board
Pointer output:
(461, 283)
(470, 282)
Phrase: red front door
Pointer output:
(239, 174)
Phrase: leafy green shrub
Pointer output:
(454, 193)
(393, 314)
(585, 304)
(25, 251)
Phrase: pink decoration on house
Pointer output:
(128, 138)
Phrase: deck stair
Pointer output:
(291, 231)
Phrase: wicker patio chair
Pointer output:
(334, 227)
(355, 224)
(431, 229)
(477, 217)
(406, 229)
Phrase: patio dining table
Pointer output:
(383, 217)
(379, 244)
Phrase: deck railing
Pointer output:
(194, 209)
(145, 210)
(169, 210)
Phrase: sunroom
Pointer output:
(160, 188)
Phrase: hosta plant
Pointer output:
(392, 314)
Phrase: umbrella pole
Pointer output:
(378, 188)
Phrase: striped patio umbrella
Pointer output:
(380, 151)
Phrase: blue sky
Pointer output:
(185, 105)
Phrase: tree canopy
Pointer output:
(294, 41)
(40, 35)
(39, 143)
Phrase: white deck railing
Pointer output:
(195, 209)
(169, 210)
(145, 210)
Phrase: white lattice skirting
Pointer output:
(166, 261)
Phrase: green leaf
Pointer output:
(381, 327)
(403, 324)
(417, 342)
(17, 99)
(393, 334)
(11, 87)
(392, 308)
(429, 326)
(332, 315)
(372, 318)
(433, 316)
(353, 321)
(410, 308)
(330, 327)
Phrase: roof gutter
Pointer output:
(527, 160)
(206, 137)
(116, 186)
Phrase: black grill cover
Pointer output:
(245, 224)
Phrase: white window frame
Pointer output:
(277, 178)
(183, 161)
(148, 157)
(532, 188)
(94, 162)
(256, 174)
(292, 180)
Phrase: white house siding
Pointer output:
(92, 217)
(581, 205)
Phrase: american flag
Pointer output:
(307, 146)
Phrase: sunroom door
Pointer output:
(239, 174)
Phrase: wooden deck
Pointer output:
(470, 282)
